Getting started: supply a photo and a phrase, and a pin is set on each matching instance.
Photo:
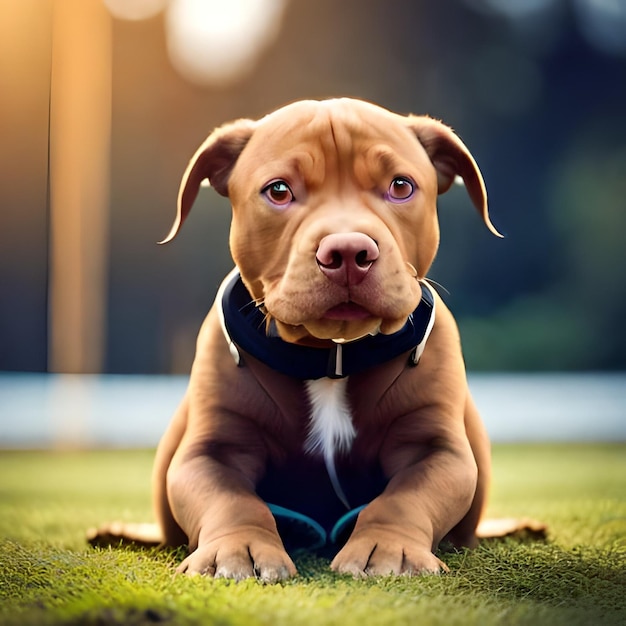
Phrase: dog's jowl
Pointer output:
(327, 407)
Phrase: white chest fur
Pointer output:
(331, 429)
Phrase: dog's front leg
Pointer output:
(231, 532)
(398, 531)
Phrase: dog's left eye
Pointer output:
(401, 189)
(278, 193)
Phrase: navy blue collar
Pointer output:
(244, 327)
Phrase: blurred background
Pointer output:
(102, 103)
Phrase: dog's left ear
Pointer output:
(451, 158)
(213, 161)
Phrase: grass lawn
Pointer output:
(48, 575)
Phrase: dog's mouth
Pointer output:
(347, 311)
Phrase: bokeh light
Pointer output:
(603, 24)
(212, 41)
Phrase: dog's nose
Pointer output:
(345, 258)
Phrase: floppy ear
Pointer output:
(214, 160)
(451, 158)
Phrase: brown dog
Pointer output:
(328, 379)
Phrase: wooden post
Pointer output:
(80, 131)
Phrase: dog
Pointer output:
(328, 392)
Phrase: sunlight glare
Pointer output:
(213, 41)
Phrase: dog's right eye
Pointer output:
(278, 193)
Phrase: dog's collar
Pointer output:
(244, 327)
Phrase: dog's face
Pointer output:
(334, 211)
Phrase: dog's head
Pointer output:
(334, 211)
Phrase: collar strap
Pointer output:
(244, 327)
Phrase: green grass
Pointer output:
(48, 575)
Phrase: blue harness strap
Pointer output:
(245, 327)
(300, 532)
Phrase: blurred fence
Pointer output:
(59, 411)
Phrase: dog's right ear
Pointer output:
(213, 161)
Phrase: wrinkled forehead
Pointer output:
(311, 137)
(340, 125)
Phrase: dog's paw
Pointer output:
(237, 557)
(382, 554)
